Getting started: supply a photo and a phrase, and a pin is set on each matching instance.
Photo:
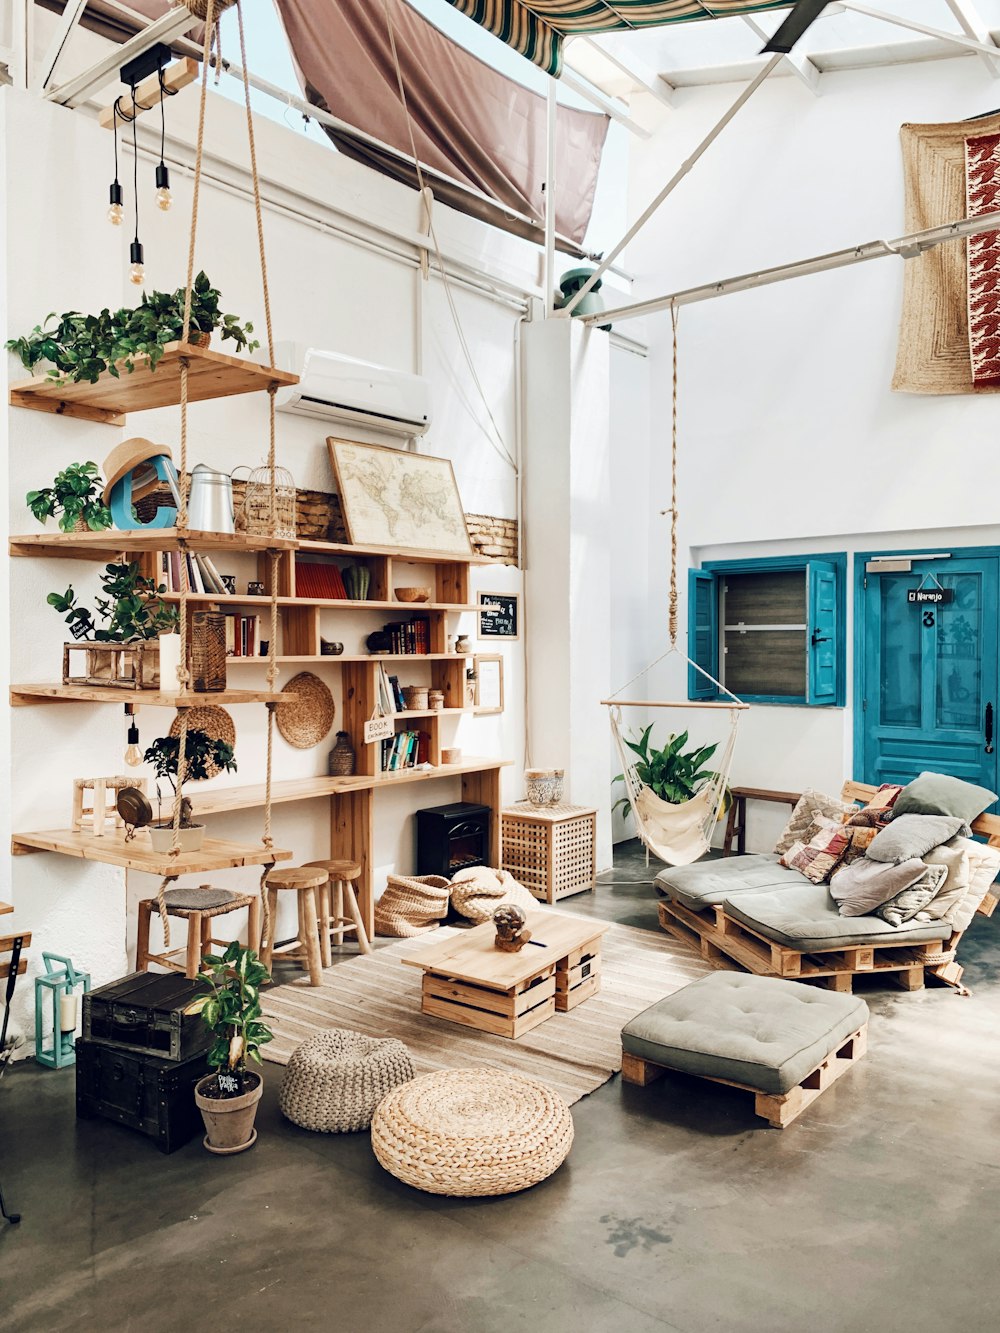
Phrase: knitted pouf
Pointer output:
(472, 1131)
(335, 1080)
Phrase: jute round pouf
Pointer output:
(472, 1132)
(335, 1080)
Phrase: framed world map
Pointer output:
(391, 497)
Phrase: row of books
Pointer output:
(243, 636)
(202, 574)
(411, 637)
(406, 749)
(390, 694)
(320, 581)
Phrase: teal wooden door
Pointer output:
(929, 673)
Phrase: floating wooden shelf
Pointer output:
(325, 604)
(5, 908)
(210, 375)
(98, 694)
(112, 543)
(399, 553)
(113, 850)
(331, 660)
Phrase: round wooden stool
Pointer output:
(339, 890)
(198, 907)
(305, 948)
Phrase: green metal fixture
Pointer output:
(571, 282)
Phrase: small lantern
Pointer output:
(62, 981)
(255, 516)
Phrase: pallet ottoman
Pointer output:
(783, 1041)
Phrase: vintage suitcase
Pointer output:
(144, 1012)
(153, 1096)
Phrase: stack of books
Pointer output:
(406, 749)
(320, 581)
(412, 638)
(243, 636)
(390, 696)
(202, 574)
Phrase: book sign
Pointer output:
(378, 729)
(930, 596)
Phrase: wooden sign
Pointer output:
(498, 615)
(378, 729)
(930, 596)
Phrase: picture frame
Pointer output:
(399, 500)
(489, 683)
(499, 615)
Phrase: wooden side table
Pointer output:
(736, 824)
(550, 849)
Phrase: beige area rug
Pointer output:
(573, 1053)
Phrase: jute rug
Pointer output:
(573, 1053)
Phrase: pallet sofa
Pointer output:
(772, 921)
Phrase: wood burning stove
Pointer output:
(452, 838)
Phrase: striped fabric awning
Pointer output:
(536, 28)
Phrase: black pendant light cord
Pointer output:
(163, 119)
(135, 164)
(114, 125)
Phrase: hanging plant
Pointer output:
(75, 495)
(132, 608)
(672, 773)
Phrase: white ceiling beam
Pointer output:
(956, 39)
(64, 30)
(76, 90)
(609, 105)
(801, 65)
(972, 25)
(640, 73)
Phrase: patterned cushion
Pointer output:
(818, 858)
(804, 818)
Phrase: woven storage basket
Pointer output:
(476, 893)
(215, 723)
(305, 721)
(416, 697)
(467, 1132)
(412, 905)
(208, 651)
(340, 761)
(334, 1081)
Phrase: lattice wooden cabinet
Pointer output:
(551, 849)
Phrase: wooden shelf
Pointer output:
(332, 659)
(113, 850)
(113, 543)
(21, 695)
(397, 552)
(5, 908)
(325, 604)
(210, 375)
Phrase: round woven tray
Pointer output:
(215, 723)
(334, 1081)
(307, 720)
(472, 1132)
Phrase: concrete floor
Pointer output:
(676, 1209)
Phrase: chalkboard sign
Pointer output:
(935, 596)
(498, 615)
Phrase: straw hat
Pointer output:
(127, 456)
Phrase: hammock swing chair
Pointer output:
(675, 833)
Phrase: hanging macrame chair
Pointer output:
(677, 833)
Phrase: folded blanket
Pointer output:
(863, 886)
(476, 893)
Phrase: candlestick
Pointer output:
(68, 1007)
(170, 661)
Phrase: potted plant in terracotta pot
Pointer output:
(228, 1098)
(200, 751)
(75, 495)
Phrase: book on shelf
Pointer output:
(409, 638)
(202, 575)
(242, 636)
(321, 581)
(407, 749)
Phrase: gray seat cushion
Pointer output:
(765, 1033)
(806, 918)
(709, 882)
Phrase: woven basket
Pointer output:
(307, 720)
(476, 893)
(208, 651)
(340, 762)
(334, 1081)
(255, 516)
(215, 723)
(416, 697)
(469, 1132)
(412, 905)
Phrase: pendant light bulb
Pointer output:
(136, 271)
(163, 196)
(133, 754)
(115, 210)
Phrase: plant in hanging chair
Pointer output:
(671, 773)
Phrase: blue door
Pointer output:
(928, 670)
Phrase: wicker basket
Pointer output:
(416, 697)
(340, 763)
(412, 905)
(215, 722)
(306, 720)
(208, 651)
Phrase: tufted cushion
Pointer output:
(710, 882)
(806, 918)
(765, 1033)
(336, 1079)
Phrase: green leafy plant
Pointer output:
(132, 608)
(74, 494)
(672, 773)
(82, 347)
(231, 1009)
(200, 750)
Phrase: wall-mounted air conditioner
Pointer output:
(343, 389)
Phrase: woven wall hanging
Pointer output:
(307, 720)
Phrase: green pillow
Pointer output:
(939, 794)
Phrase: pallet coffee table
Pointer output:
(468, 981)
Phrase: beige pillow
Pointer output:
(476, 893)
(804, 824)
(955, 858)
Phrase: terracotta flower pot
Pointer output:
(229, 1121)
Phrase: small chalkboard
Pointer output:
(498, 615)
(230, 1085)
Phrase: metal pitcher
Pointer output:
(210, 502)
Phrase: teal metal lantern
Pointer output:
(55, 1034)
(571, 282)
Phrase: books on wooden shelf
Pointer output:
(410, 638)
(243, 636)
(321, 581)
(390, 695)
(407, 749)
(202, 575)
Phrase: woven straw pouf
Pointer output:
(335, 1080)
(472, 1131)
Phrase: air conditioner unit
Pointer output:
(343, 389)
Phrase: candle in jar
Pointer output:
(170, 660)
(67, 1013)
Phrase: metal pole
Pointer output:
(674, 181)
(549, 266)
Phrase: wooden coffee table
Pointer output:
(468, 981)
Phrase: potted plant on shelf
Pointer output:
(200, 750)
(134, 615)
(75, 494)
(672, 773)
(228, 1098)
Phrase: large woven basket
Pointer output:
(412, 905)
(334, 1081)
(468, 1132)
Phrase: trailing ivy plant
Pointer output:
(82, 347)
(74, 494)
(672, 773)
(132, 608)
(231, 1010)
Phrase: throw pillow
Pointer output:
(860, 888)
(984, 862)
(939, 794)
(803, 822)
(859, 840)
(819, 857)
(885, 798)
(912, 835)
(955, 859)
(909, 903)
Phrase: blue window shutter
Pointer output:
(703, 633)
(821, 632)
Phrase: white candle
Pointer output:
(170, 661)
(67, 1013)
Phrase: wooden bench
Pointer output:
(736, 824)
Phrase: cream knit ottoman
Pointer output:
(472, 1132)
(335, 1080)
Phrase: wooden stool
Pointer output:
(102, 802)
(338, 890)
(198, 907)
(305, 948)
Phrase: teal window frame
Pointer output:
(826, 652)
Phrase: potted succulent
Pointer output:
(75, 494)
(228, 1098)
(200, 750)
(672, 773)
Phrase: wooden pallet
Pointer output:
(578, 975)
(778, 1109)
(505, 1013)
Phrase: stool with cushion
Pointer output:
(338, 891)
(198, 907)
(334, 1081)
(782, 1040)
(305, 948)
